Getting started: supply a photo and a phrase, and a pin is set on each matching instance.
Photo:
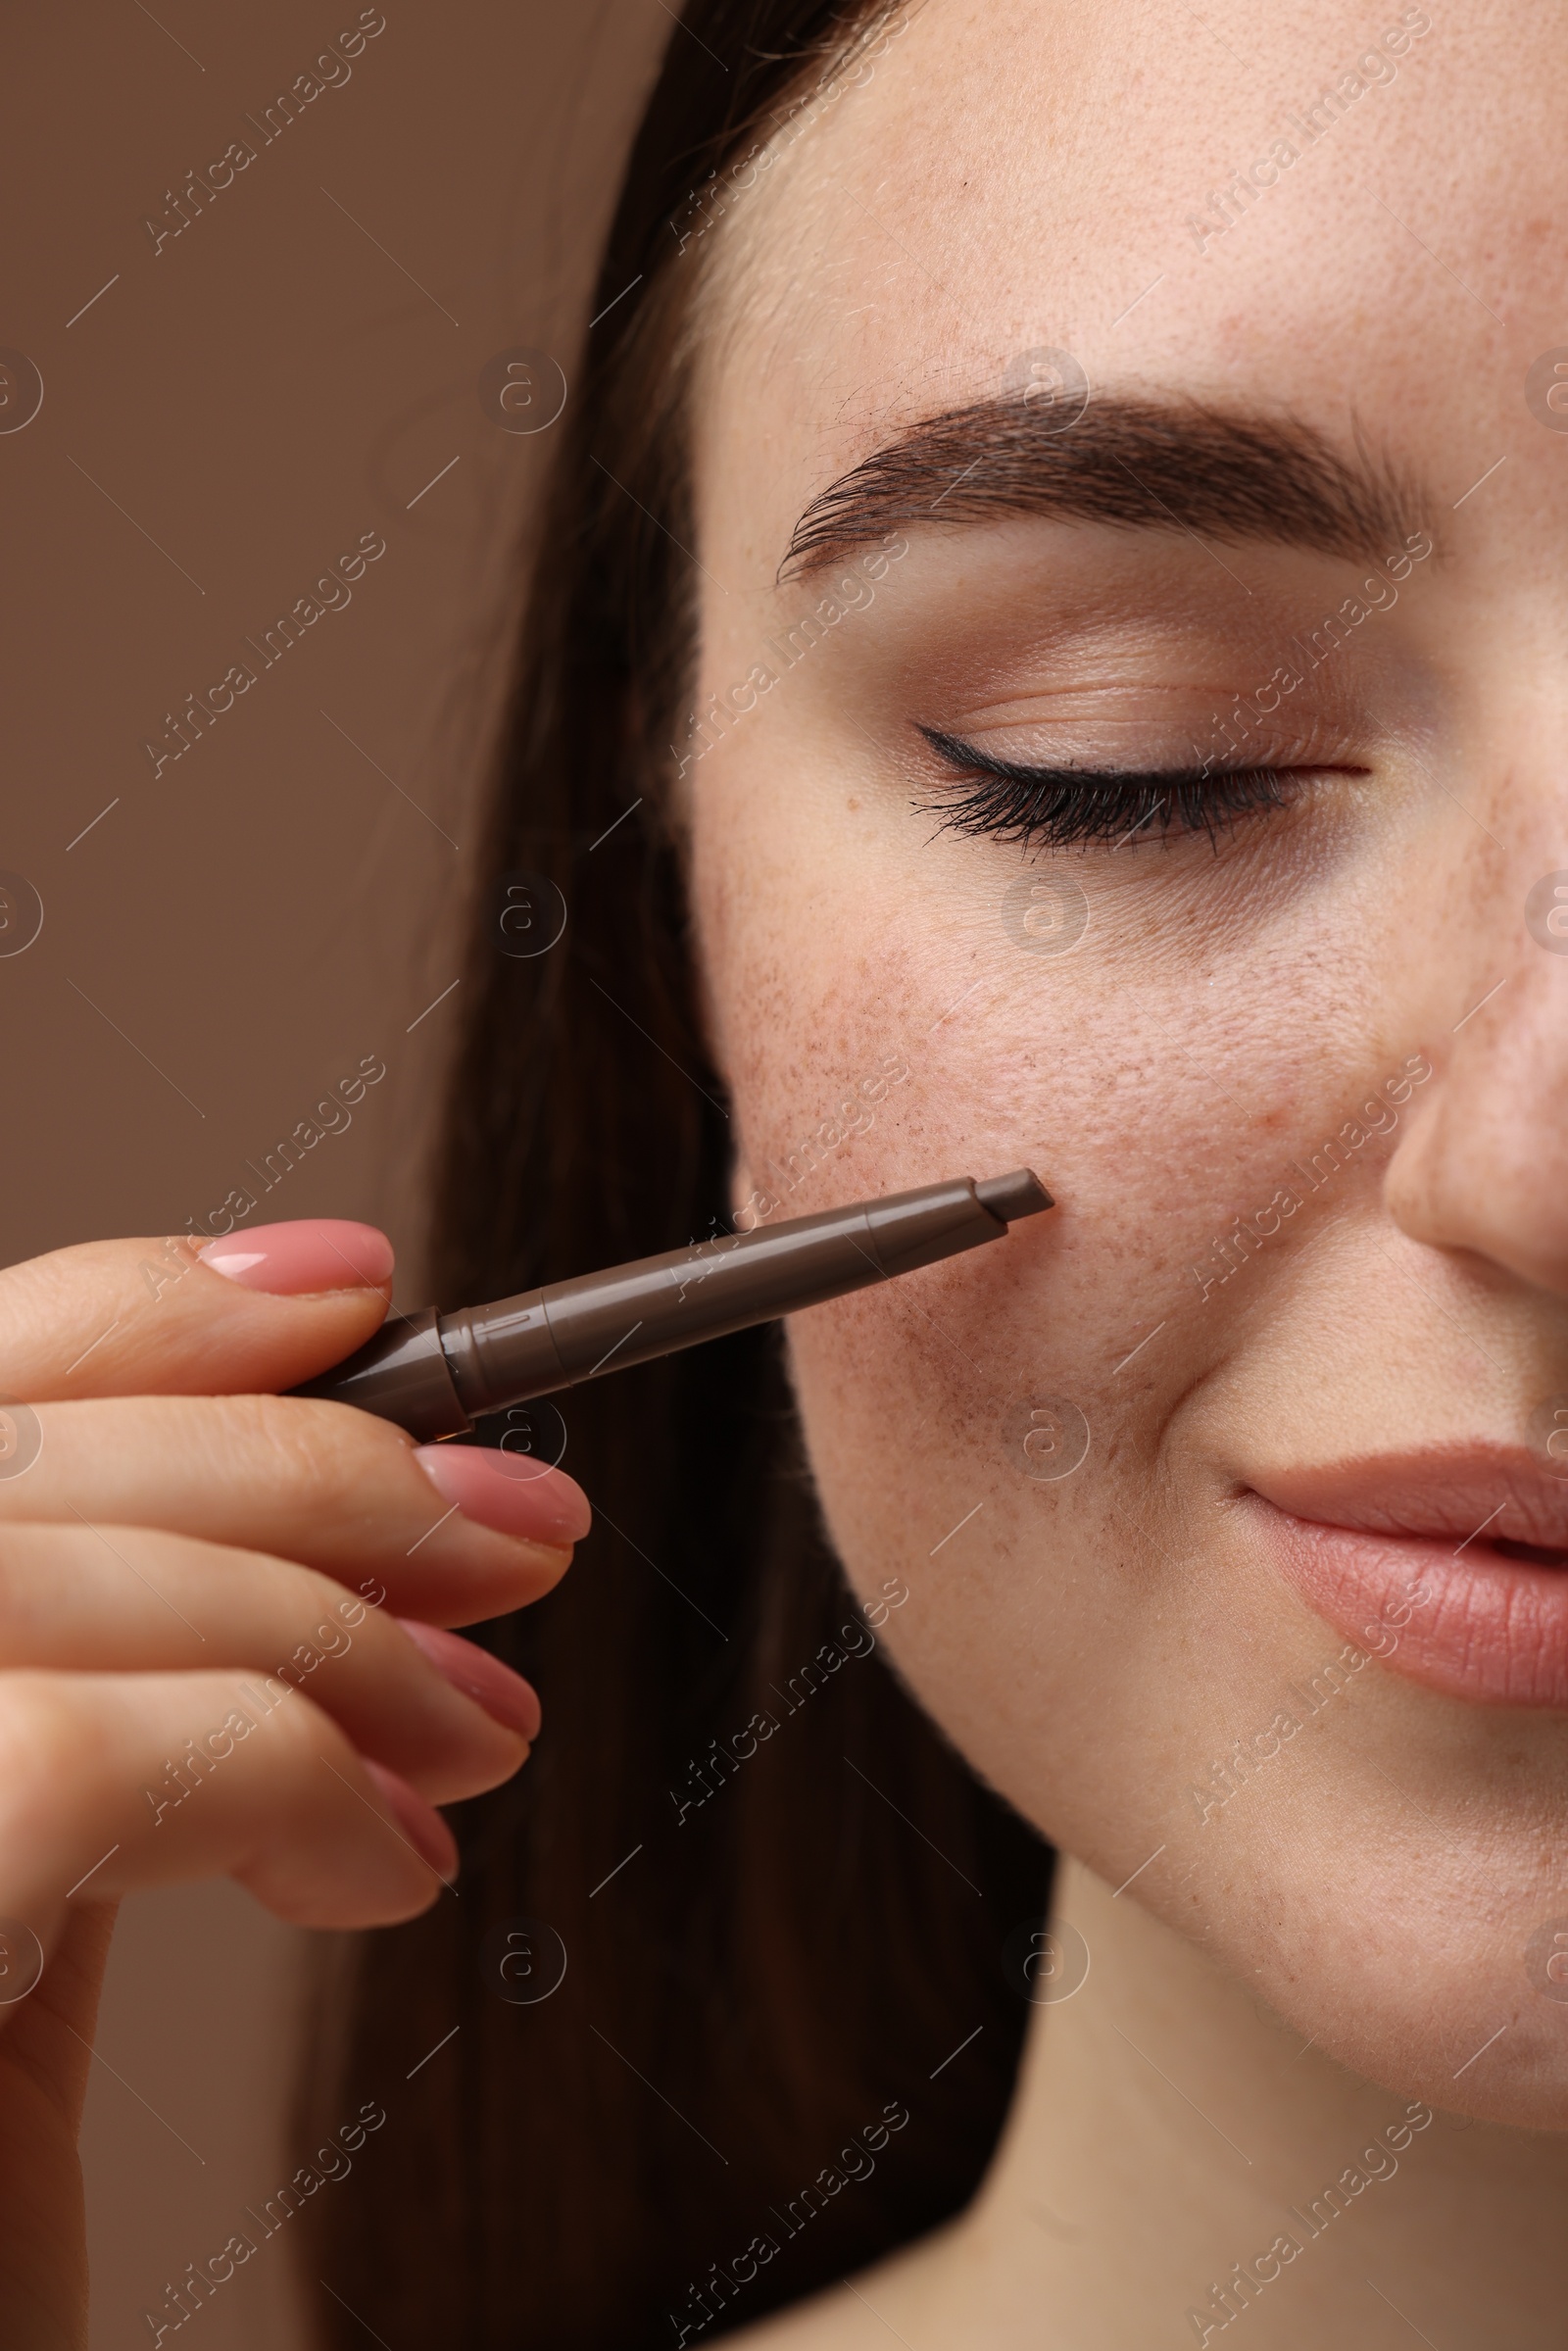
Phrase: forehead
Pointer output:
(1332, 208)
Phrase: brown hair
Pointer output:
(775, 1938)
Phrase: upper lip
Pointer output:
(1470, 1494)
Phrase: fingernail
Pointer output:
(509, 1491)
(505, 1697)
(420, 1822)
(290, 1260)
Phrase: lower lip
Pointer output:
(1466, 1621)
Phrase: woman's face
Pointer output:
(1227, 1496)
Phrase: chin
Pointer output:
(1425, 1973)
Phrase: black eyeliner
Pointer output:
(1065, 806)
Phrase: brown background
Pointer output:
(224, 419)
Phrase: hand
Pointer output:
(222, 1645)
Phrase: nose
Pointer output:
(1484, 1164)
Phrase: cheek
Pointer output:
(1013, 1432)
(966, 1425)
(831, 954)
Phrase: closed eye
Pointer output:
(1052, 806)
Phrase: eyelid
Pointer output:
(1067, 805)
(968, 758)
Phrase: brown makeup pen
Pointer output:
(434, 1374)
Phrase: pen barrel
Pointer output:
(600, 1323)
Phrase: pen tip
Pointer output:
(1009, 1196)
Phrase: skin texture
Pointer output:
(1350, 1930)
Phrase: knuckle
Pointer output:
(50, 1744)
(327, 1620)
(270, 1432)
(300, 1738)
(316, 1446)
(267, 1587)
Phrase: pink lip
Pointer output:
(1401, 1555)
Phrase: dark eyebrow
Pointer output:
(1143, 464)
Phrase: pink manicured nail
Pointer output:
(511, 1491)
(505, 1697)
(291, 1260)
(420, 1822)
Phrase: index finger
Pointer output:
(252, 1313)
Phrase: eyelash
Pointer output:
(1065, 806)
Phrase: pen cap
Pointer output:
(920, 1228)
